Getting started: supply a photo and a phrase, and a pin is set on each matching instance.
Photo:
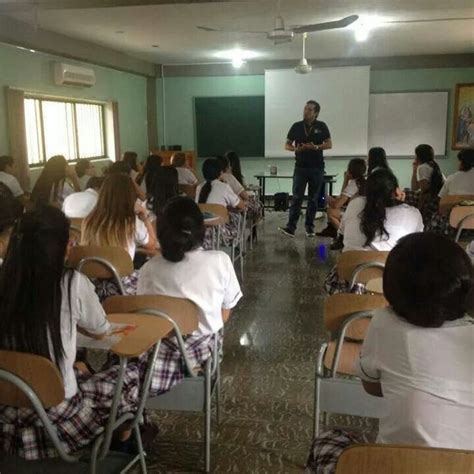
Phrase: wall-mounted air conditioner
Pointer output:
(70, 75)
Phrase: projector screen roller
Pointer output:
(343, 94)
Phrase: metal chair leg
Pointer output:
(207, 421)
(141, 452)
(218, 392)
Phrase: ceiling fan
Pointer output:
(281, 34)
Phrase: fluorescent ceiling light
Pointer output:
(364, 25)
(237, 56)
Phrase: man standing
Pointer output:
(307, 139)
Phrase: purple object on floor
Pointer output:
(322, 252)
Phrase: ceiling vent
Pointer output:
(70, 75)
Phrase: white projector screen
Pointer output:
(342, 92)
(399, 122)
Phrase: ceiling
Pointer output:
(172, 26)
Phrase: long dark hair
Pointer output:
(130, 157)
(376, 158)
(380, 191)
(49, 186)
(30, 284)
(150, 170)
(211, 170)
(357, 168)
(425, 154)
(163, 187)
(234, 161)
(180, 228)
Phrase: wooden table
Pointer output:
(327, 188)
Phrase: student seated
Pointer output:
(52, 186)
(152, 167)
(80, 205)
(230, 179)
(235, 167)
(136, 169)
(353, 185)
(461, 182)
(215, 191)
(185, 175)
(117, 221)
(7, 176)
(85, 170)
(185, 270)
(10, 210)
(375, 221)
(161, 189)
(376, 158)
(426, 182)
(42, 308)
(418, 353)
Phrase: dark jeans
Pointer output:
(313, 177)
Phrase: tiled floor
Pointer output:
(268, 368)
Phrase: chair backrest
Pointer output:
(462, 214)
(188, 189)
(183, 311)
(393, 459)
(337, 308)
(37, 372)
(446, 203)
(115, 256)
(217, 210)
(349, 261)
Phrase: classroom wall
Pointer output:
(180, 91)
(34, 72)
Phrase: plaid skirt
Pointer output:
(169, 366)
(228, 232)
(333, 284)
(427, 205)
(78, 420)
(254, 208)
(327, 448)
(107, 287)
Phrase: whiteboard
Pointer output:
(342, 92)
(398, 122)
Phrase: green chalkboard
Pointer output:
(230, 123)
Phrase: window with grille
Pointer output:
(72, 129)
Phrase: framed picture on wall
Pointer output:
(463, 121)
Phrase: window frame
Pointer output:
(74, 101)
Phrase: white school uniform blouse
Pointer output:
(424, 172)
(221, 193)
(12, 183)
(80, 205)
(458, 183)
(400, 220)
(141, 237)
(234, 184)
(351, 189)
(86, 312)
(186, 176)
(427, 379)
(206, 277)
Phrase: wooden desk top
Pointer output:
(149, 330)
